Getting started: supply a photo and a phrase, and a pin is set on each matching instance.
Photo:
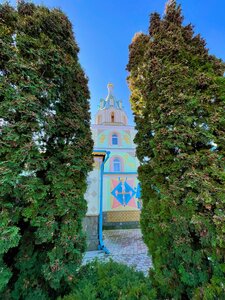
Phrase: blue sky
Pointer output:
(104, 29)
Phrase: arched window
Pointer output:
(112, 117)
(116, 165)
(114, 139)
(99, 119)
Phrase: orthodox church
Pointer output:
(113, 189)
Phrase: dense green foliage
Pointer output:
(45, 153)
(110, 281)
(178, 99)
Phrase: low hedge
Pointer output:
(110, 281)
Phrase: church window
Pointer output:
(114, 139)
(99, 119)
(116, 165)
(112, 117)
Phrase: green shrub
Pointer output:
(45, 153)
(178, 98)
(110, 281)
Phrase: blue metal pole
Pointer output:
(101, 245)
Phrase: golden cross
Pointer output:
(124, 193)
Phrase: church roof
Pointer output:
(110, 101)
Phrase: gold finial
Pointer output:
(110, 88)
(109, 85)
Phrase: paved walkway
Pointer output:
(126, 246)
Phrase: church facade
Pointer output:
(112, 133)
(113, 194)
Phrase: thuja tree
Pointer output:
(9, 231)
(178, 99)
(45, 153)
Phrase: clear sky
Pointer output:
(104, 29)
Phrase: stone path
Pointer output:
(126, 246)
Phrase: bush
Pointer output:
(45, 153)
(178, 98)
(110, 281)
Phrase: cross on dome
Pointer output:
(110, 89)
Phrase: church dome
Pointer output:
(111, 110)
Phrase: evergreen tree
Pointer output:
(46, 152)
(9, 167)
(178, 99)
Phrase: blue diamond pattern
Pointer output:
(123, 192)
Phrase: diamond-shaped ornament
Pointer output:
(123, 192)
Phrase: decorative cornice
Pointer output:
(122, 127)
